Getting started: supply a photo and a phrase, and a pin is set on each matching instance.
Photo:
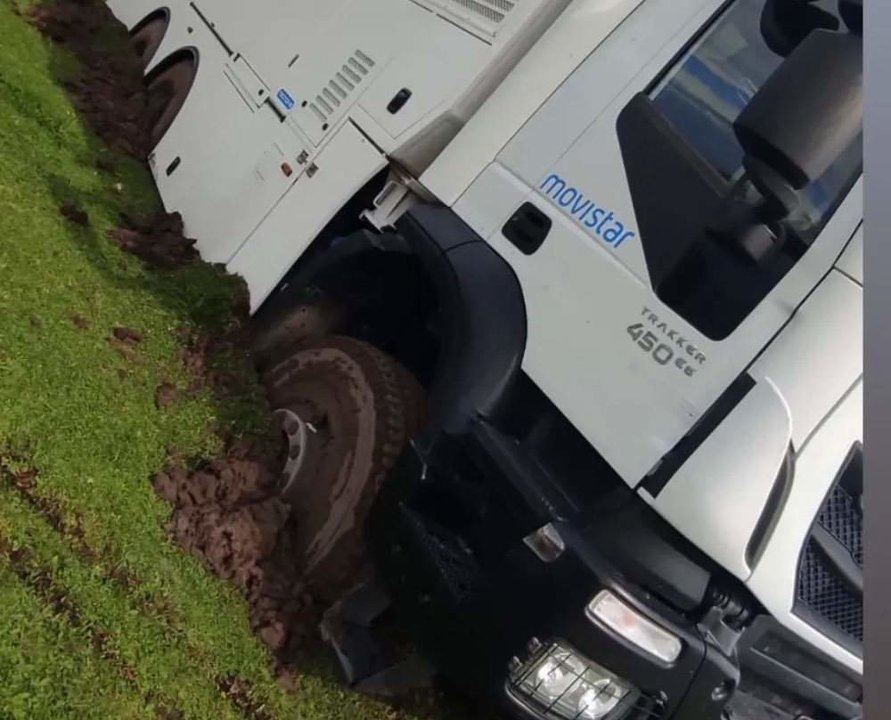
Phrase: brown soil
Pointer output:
(165, 396)
(127, 335)
(157, 241)
(109, 95)
(229, 514)
(74, 214)
(80, 322)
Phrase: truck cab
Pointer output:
(618, 245)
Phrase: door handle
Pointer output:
(527, 228)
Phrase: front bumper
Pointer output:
(446, 533)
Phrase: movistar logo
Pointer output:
(599, 219)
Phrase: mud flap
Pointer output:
(370, 661)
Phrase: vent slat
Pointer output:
(319, 114)
(343, 81)
(330, 97)
(478, 16)
(341, 86)
(324, 103)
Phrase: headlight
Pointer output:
(634, 627)
(560, 683)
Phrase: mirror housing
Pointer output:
(785, 23)
(805, 116)
(852, 13)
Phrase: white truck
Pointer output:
(561, 302)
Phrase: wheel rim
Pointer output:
(345, 420)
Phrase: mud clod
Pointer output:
(229, 514)
(157, 241)
(239, 695)
(74, 214)
(127, 335)
(80, 322)
(165, 396)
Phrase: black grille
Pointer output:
(822, 591)
(828, 596)
(841, 518)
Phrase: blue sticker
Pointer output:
(284, 97)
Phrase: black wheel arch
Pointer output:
(159, 13)
(189, 52)
(469, 293)
(483, 316)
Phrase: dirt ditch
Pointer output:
(40, 581)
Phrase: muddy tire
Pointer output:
(275, 339)
(147, 39)
(165, 96)
(361, 408)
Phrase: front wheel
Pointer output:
(347, 411)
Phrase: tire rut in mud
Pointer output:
(26, 566)
(39, 580)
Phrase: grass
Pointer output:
(102, 616)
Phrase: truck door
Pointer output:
(632, 360)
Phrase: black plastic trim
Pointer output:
(189, 52)
(817, 621)
(714, 416)
(213, 29)
(779, 493)
(163, 12)
(528, 228)
(769, 650)
(472, 613)
(483, 316)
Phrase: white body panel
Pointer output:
(223, 189)
(819, 354)
(344, 165)
(736, 467)
(630, 408)
(572, 38)
(338, 63)
(851, 261)
(808, 396)
(774, 578)
(507, 135)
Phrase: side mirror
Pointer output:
(852, 13)
(804, 117)
(785, 23)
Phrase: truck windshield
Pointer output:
(704, 92)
